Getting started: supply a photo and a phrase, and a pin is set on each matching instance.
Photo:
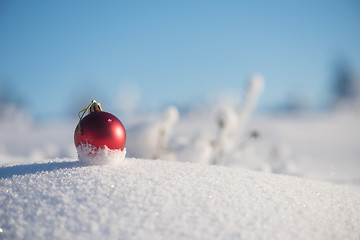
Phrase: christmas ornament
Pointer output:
(99, 130)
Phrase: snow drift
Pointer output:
(153, 199)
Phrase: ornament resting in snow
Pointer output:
(99, 137)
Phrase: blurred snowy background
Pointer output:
(269, 86)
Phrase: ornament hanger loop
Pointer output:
(93, 107)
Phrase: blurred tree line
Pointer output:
(345, 86)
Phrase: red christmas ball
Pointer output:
(100, 129)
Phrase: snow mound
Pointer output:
(154, 199)
(90, 155)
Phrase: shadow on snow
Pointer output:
(8, 172)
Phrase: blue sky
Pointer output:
(59, 54)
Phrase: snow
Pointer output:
(154, 199)
(214, 172)
(90, 155)
(149, 139)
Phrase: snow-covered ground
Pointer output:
(154, 199)
(210, 173)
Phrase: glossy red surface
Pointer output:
(101, 129)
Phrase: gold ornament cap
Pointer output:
(95, 107)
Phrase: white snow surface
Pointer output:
(154, 199)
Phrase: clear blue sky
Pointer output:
(55, 54)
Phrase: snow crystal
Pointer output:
(90, 155)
